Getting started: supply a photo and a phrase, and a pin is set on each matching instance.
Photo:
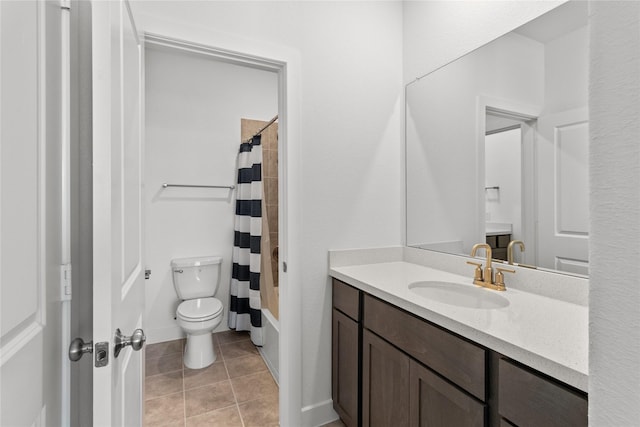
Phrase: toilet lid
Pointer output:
(200, 308)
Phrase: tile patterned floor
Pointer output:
(237, 390)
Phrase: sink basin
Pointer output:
(459, 295)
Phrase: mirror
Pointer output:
(497, 147)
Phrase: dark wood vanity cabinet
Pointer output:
(527, 398)
(398, 391)
(391, 368)
(417, 374)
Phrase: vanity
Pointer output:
(496, 150)
(407, 351)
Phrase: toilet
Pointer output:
(196, 281)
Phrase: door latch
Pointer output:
(102, 354)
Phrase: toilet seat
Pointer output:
(199, 309)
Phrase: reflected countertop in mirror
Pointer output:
(497, 146)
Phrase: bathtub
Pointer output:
(271, 343)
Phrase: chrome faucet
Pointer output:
(510, 249)
(484, 277)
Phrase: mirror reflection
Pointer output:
(497, 147)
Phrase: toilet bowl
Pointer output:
(198, 318)
(196, 281)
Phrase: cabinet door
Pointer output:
(345, 358)
(528, 399)
(385, 383)
(436, 403)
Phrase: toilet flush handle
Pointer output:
(178, 271)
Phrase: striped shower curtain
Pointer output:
(244, 311)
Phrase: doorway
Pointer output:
(509, 191)
(192, 137)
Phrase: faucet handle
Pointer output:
(500, 276)
(477, 275)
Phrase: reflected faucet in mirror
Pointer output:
(510, 249)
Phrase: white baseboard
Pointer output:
(318, 414)
(267, 361)
(171, 333)
(164, 334)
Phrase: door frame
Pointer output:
(286, 63)
(526, 114)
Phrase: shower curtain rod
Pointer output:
(263, 128)
(230, 187)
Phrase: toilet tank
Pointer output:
(197, 277)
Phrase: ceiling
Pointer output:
(562, 20)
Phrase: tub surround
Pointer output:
(545, 325)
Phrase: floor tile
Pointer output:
(208, 398)
(231, 336)
(199, 377)
(260, 413)
(160, 365)
(170, 423)
(163, 349)
(179, 396)
(336, 423)
(163, 384)
(256, 386)
(164, 410)
(245, 365)
(226, 417)
(238, 349)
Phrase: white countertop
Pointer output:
(547, 334)
(497, 228)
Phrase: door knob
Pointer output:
(136, 341)
(78, 347)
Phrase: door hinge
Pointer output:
(65, 4)
(65, 282)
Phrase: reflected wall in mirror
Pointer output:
(497, 147)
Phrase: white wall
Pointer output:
(566, 61)
(193, 109)
(614, 104)
(349, 149)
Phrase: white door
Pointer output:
(563, 191)
(32, 246)
(118, 268)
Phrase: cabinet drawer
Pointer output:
(528, 399)
(456, 359)
(346, 299)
